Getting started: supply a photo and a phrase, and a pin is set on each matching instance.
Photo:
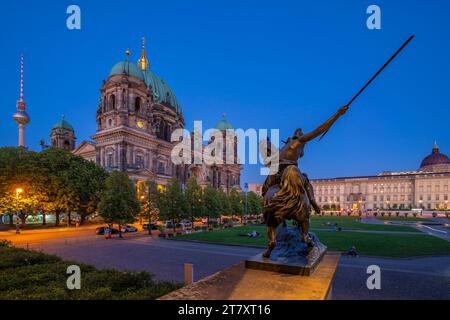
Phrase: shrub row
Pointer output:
(30, 275)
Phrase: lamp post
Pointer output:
(446, 208)
(246, 199)
(18, 192)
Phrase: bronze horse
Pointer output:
(287, 201)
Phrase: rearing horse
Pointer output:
(287, 201)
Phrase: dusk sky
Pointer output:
(266, 64)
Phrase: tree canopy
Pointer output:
(53, 181)
(118, 203)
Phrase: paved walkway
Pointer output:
(369, 231)
(422, 278)
(438, 231)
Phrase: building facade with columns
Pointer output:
(426, 188)
(136, 115)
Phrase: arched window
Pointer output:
(67, 145)
(140, 161)
(137, 104)
(167, 133)
(112, 102)
(109, 161)
(160, 168)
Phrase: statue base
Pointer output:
(290, 256)
(239, 283)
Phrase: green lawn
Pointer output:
(353, 224)
(383, 245)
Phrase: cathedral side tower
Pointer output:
(63, 135)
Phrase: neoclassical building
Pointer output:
(136, 114)
(427, 188)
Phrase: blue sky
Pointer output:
(267, 64)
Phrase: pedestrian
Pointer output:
(352, 252)
(17, 225)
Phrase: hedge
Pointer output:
(30, 275)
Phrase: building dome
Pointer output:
(127, 68)
(436, 161)
(224, 124)
(162, 93)
(63, 124)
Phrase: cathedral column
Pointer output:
(120, 99)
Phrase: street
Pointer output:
(418, 278)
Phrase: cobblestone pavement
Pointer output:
(420, 278)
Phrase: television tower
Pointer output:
(21, 117)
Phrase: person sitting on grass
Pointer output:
(253, 234)
(352, 252)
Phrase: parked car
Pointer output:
(168, 224)
(187, 224)
(127, 229)
(151, 226)
(101, 231)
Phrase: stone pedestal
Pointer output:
(239, 283)
(290, 256)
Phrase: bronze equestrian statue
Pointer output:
(288, 194)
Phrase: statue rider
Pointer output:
(293, 150)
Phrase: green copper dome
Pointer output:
(161, 91)
(224, 124)
(127, 68)
(63, 124)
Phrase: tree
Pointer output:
(211, 202)
(254, 203)
(172, 204)
(225, 205)
(236, 203)
(152, 203)
(193, 195)
(54, 179)
(71, 183)
(118, 203)
(18, 175)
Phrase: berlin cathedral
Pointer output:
(136, 115)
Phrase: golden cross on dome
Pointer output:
(143, 61)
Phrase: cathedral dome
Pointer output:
(127, 68)
(224, 124)
(63, 124)
(161, 91)
(436, 161)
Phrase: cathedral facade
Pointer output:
(137, 113)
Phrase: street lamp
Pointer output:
(18, 192)
(246, 199)
(446, 207)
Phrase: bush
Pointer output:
(31, 275)
(5, 244)
(12, 258)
